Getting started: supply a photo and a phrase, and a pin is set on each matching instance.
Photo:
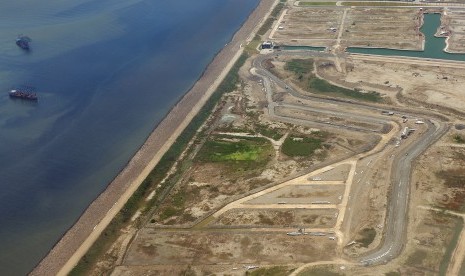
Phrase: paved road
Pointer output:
(397, 209)
(322, 124)
(268, 77)
(397, 212)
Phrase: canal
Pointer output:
(434, 46)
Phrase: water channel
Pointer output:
(434, 46)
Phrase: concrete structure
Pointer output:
(267, 45)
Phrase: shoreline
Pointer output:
(65, 254)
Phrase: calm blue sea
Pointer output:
(106, 73)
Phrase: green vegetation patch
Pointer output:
(227, 151)
(462, 268)
(269, 132)
(377, 4)
(224, 149)
(367, 236)
(416, 258)
(320, 271)
(459, 139)
(269, 21)
(317, 3)
(302, 69)
(270, 271)
(453, 178)
(252, 46)
(176, 203)
(299, 66)
(320, 86)
(295, 146)
(451, 247)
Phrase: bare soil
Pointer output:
(294, 218)
(213, 247)
(301, 194)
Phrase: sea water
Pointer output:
(106, 72)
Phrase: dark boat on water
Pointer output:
(22, 94)
(23, 42)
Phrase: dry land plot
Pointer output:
(301, 194)
(383, 27)
(396, 28)
(452, 24)
(301, 26)
(203, 248)
(434, 85)
(293, 218)
(337, 173)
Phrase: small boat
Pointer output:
(21, 94)
(23, 42)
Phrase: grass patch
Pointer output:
(377, 4)
(319, 271)
(453, 178)
(302, 69)
(270, 271)
(252, 47)
(462, 268)
(295, 146)
(269, 21)
(451, 247)
(367, 236)
(299, 66)
(317, 3)
(175, 203)
(269, 132)
(320, 86)
(459, 139)
(122, 219)
(392, 273)
(277, 10)
(416, 258)
(168, 212)
(246, 152)
(231, 151)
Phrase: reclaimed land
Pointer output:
(80, 237)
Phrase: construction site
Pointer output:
(319, 160)
(395, 28)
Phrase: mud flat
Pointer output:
(98, 215)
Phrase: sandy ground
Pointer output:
(339, 27)
(432, 82)
(73, 245)
(226, 247)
